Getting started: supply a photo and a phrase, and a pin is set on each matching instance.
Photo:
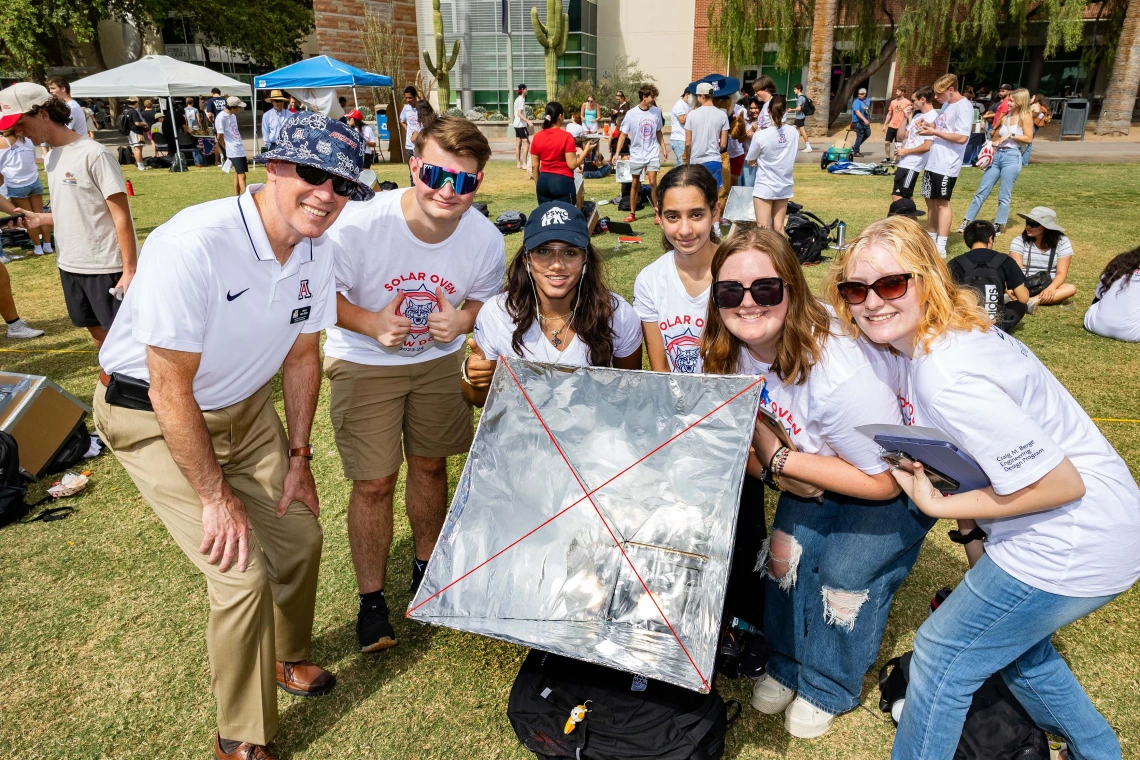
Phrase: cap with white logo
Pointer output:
(556, 221)
(19, 99)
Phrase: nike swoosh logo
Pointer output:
(232, 296)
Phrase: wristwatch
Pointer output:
(305, 451)
(977, 534)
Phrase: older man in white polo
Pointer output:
(227, 293)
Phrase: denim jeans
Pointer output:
(825, 618)
(1005, 167)
(995, 623)
(678, 147)
(748, 175)
(862, 132)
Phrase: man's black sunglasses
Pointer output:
(767, 291)
(317, 177)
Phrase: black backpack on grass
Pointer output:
(628, 717)
(12, 489)
(807, 233)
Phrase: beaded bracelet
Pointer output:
(778, 464)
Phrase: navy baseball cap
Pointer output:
(556, 221)
(314, 139)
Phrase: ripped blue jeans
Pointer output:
(830, 590)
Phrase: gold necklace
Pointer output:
(554, 339)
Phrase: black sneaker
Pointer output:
(373, 631)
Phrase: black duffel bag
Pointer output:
(627, 717)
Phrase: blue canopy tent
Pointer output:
(317, 72)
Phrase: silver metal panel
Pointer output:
(739, 206)
(526, 556)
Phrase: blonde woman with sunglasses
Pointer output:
(843, 538)
(1054, 537)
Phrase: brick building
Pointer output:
(339, 24)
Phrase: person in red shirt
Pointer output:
(553, 158)
(1004, 92)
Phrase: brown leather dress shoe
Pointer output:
(244, 751)
(304, 679)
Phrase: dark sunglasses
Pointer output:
(436, 177)
(767, 291)
(1032, 224)
(317, 177)
(887, 288)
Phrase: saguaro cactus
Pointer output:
(441, 71)
(552, 37)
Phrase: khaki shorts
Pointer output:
(373, 406)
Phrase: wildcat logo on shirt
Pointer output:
(647, 131)
(906, 408)
(783, 138)
(684, 351)
(417, 307)
(304, 291)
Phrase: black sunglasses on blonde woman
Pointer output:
(887, 288)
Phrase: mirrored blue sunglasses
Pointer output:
(436, 177)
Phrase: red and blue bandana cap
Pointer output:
(314, 139)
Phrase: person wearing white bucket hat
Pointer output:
(1044, 254)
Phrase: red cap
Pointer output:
(354, 114)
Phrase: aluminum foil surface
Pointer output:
(526, 556)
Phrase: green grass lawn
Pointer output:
(103, 651)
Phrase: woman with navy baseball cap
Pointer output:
(557, 307)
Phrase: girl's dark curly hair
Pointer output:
(1121, 266)
(593, 311)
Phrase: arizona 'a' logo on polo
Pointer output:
(417, 307)
(684, 351)
(304, 291)
(555, 216)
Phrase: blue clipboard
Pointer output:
(938, 454)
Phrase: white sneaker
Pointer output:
(19, 329)
(804, 721)
(806, 149)
(48, 248)
(771, 697)
(38, 250)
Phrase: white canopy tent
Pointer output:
(158, 76)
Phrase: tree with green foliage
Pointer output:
(33, 32)
(625, 75)
(739, 30)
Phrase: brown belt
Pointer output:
(104, 378)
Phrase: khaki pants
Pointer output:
(266, 613)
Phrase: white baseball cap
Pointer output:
(234, 102)
(704, 88)
(19, 99)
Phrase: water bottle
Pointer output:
(840, 235)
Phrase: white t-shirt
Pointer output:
(78, 123)
(226, 125)
(917, 162)
(575, 129)
(706, 123)
(659, 296)
(641, 127)
(999, 403)
(735, 147)
(369, 135)
(1035, 260)
(676, 128)
(82, 175)
(494, 329)
(410, 118)
(849, 387)
(774, 151)
(520, 105)
(208, 283)
(945, 157)
(193, 117)
(1117, 313)
(18, 163)
(380, 258)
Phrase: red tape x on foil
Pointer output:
(589, 497)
